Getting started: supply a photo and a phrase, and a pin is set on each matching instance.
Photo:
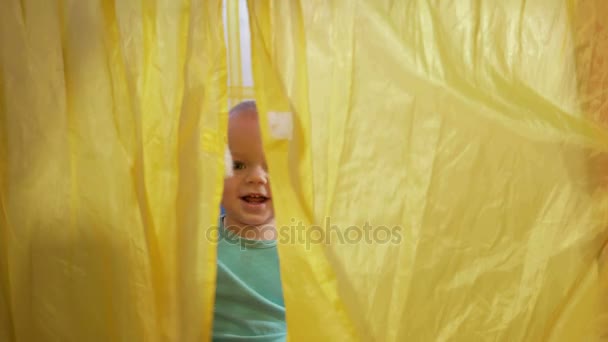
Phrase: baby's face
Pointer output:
(247, 198)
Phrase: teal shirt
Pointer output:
(249, 298)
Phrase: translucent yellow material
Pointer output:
(474, 130)
(473, 127)
(237, 90)
(113, 115)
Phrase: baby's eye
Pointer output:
(237, 165)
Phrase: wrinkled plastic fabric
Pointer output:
(112, 126)
(475, 127)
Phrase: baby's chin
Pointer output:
(260, 221)
(255, 220)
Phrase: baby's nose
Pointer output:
(258, 175)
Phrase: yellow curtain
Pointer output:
(237, 37)
(444, 159)
(439, 168)
(112, 126)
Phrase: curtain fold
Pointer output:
(454, 153)
(113, 121)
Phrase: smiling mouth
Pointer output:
(255, 198)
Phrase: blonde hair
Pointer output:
(248, 105)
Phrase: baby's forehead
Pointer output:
(243, 122)
(244, 128)
(248, 154)
(243, 125)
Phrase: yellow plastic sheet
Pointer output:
(475, 128)
(237, 39)
(472, 126)
(111, 137)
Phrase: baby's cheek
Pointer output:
(228, 190)
(230, 184)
